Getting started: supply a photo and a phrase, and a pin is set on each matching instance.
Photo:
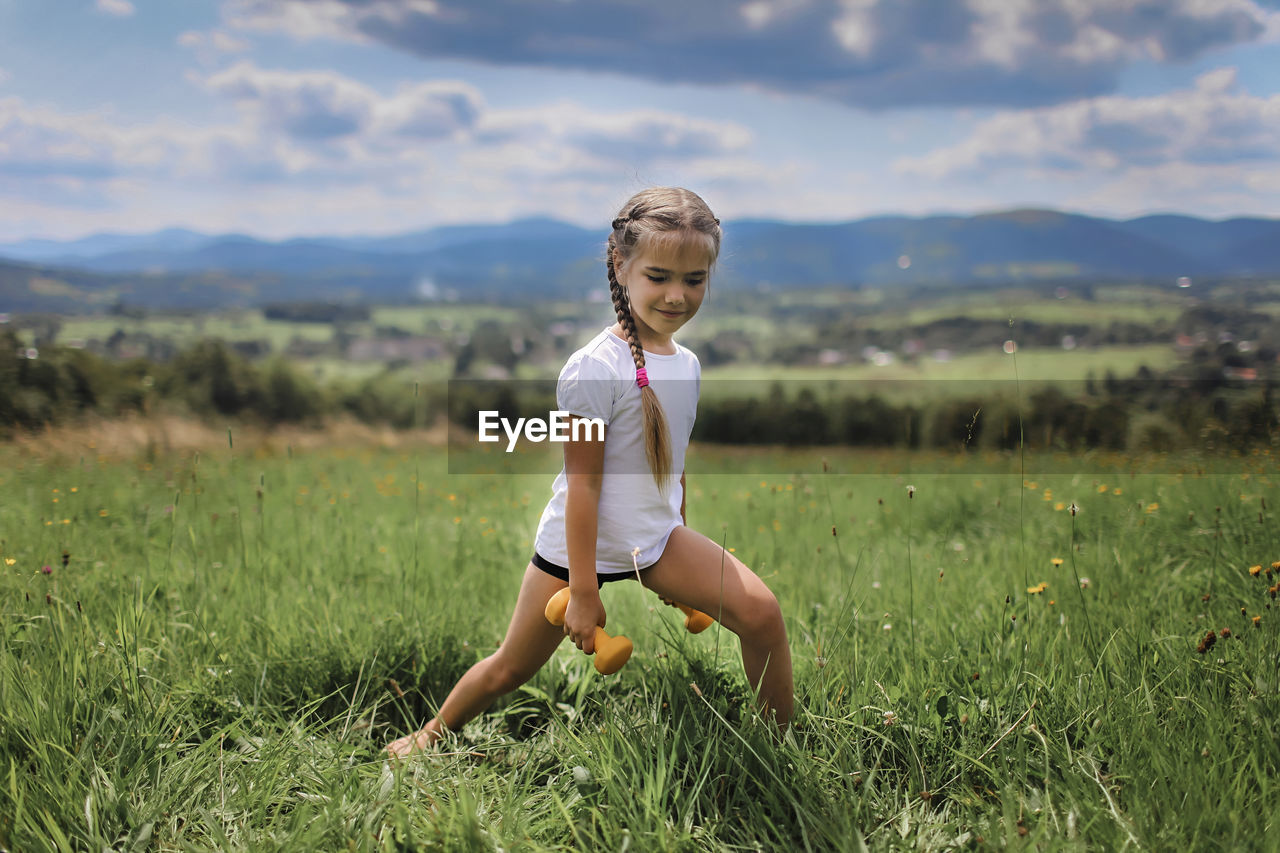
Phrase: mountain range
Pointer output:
(540, 258)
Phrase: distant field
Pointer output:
(237, 327)
(1032, 366)
(442, 316)
(1091, 312)
(251, 325)
(331, 369)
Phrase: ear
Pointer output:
(617, 260)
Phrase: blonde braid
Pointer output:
(622, 307)
(657, 438)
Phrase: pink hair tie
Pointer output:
(642, 378)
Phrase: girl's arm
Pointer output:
(584, 469)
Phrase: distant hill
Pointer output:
(58, 251)
(536, 258)
(35, 288)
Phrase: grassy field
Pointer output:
(962, 375)
(253, 325)
(247, 325)
(208, 651)
(1111, 305)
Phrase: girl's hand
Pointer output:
(584, 614)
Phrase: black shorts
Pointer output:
(563, 573)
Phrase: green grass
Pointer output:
(233, 637)
(251, 325)
(443, 316)
(1100, 312)
(1033, 366)
(247, 325)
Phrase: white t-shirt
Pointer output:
(599, 381)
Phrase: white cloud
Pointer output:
(876, 53)
(209, 46)
(118, 8)
(324, 108)
(855, 29)
(431, 110)
(336, 147)
(303, 21)
(5, 76)
(304, 104)
(1212, 190)
(637, 136)
(1208, 149)
(319, 107)
(1212, 123)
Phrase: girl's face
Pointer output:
(666, 284)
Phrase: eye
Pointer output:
(695, 282)
(656, 279)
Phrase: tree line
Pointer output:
(1210, 401)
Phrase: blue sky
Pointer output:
(305, 117)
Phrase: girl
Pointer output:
(611, 515)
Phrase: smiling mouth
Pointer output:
(670, 313)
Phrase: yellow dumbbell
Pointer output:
(695, 621)
(611, 652)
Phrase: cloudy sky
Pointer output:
(305, 117)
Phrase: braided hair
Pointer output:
(668, 212)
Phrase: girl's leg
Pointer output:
(697, 572)
(529, 643)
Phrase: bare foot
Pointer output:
(419, 741)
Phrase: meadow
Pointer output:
(208, 650)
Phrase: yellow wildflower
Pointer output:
(1057, 561)
(1152, 507)
(1255, 570)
